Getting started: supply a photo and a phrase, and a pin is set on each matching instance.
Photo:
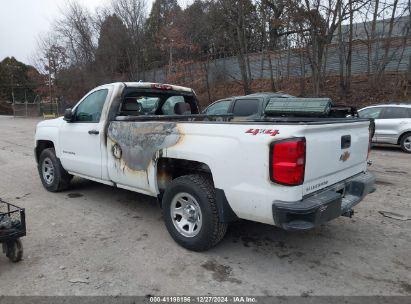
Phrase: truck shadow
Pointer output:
(116, 200)
(267, 238)
(308, 248)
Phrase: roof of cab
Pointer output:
(258, 95)
(407, 105)
(270, 94)
(149, 85)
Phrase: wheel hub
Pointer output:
(407, 143)
(47, 169)
(190, 213)
(186, 214)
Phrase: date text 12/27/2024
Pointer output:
(202, 299)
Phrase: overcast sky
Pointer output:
(22, 21)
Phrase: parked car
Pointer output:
(149, 138)
(392, 124)
(252, 105)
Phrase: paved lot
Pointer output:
(114, 241)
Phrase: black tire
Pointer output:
(405, 142)
(14, 250)
(61, 178)
(202, 189)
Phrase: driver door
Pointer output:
(81, 140)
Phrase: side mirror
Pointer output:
(68, 115)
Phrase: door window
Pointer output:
(245, 107)
(394, 112)
(370, 113)
(89, 110)
(218, 108)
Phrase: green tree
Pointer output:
(18, 82)
(112, 55)
(164, 14)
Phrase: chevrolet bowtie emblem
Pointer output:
(345, 156)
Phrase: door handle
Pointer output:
(93, 132)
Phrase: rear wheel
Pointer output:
(52, 174)
(190, 212)
(406, 142)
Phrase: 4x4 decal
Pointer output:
(270, 132)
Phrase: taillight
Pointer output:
(287, 161)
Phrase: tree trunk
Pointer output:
(242, 60)
(207, 82)
(372, 37)
(349, 53)
(270, 65)
(341, 57)
(385, 59)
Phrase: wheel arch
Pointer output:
(402, 135)
(41, 145)
(171, 168)
(168, 168)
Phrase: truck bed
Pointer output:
(228, 118)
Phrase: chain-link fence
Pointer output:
(391, 57)
(35, 109)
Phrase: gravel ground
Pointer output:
(98, 240)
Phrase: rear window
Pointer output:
(245, 107)
(394, 112)
(136, 103)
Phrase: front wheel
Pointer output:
(406, 142)
(190, 212)
(52, 174)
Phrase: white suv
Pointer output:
(392, 124)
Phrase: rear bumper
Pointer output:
(324, 205)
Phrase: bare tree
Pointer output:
(133, 14)
(75, 28)
(235, 15)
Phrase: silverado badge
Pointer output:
(345, 156)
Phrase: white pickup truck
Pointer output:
(207, 171)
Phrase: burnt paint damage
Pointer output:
(140, 141)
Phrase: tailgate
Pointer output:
(334, 152)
